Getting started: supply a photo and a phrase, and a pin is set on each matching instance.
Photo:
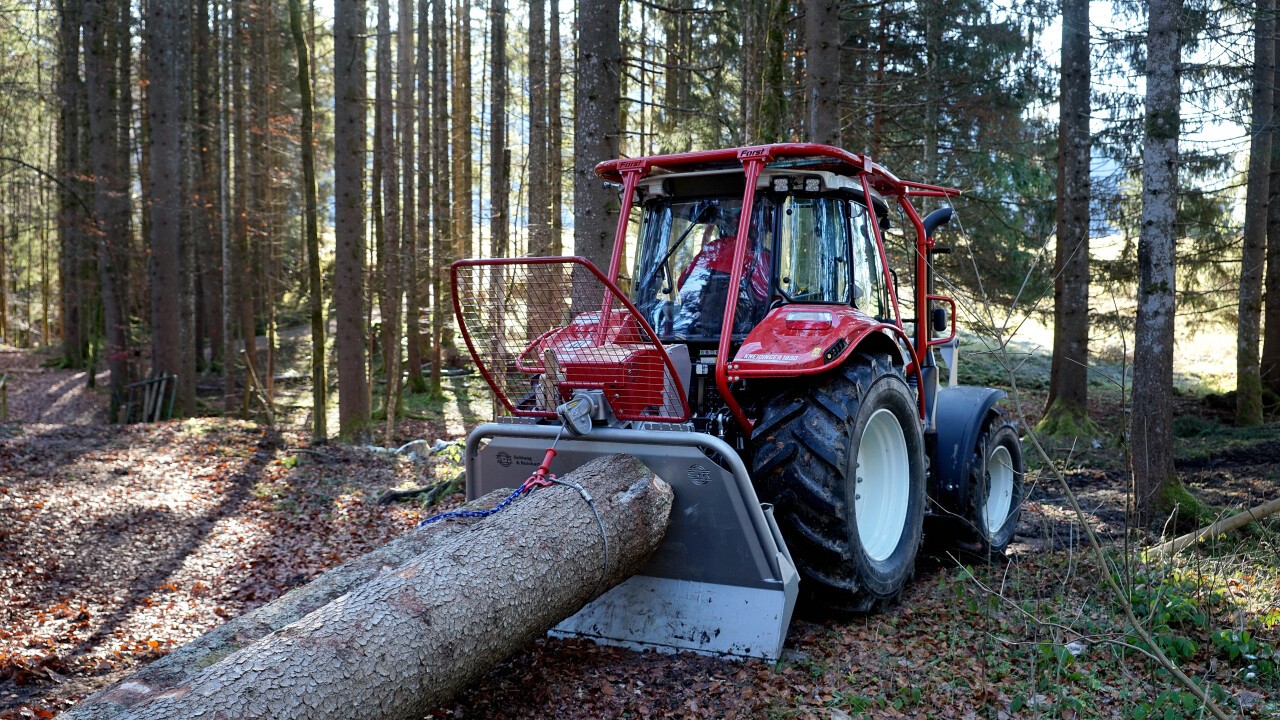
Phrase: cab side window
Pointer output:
(870, 292)
(813, 251)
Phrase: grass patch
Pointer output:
(1206, 439)
(1041, 636)
(467, 397)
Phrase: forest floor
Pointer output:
(118, 544)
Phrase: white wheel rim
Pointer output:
(999, 489)
(882, 487)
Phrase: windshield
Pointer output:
(684, 260)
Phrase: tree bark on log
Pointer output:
(395, 632)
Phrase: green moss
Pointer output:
(1270, 399)
(1248, 400)
(1191, 513)
(1193, 426)
(1064, 419)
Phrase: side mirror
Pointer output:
(939, 318)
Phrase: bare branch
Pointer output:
(679, 11)
(57, 181)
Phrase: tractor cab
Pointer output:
(809, 240)
(810, 252)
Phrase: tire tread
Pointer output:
(799, 462)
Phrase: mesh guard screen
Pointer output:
(540, 328)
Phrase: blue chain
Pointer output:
(474, 513)
(536, 481)
(526, 486)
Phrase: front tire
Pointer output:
(996, 485)
(842, 461)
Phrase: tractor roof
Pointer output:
(806, 156)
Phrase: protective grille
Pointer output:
(540, 328)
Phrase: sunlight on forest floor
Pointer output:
(1204, 357)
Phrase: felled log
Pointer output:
(182, 665)
(1235, 522)
(393, 636)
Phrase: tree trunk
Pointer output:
(750, 71)
(188, 269)
(319, 382)
(822, 71)
(674, 75)
(1067, 406)
(596, 129)
(164, 99)
(385, 153)
(407, 110)
(205, 215)
(110, 201)
(135, 302)
(539, 226)
(46, 288)
(1151, 432)
(4, 276)
(773, 98)
(242, 282)
(461, 136)
(418, 295)
(1210, 533)
(555, 130)
(349, 158)
(878, 93)
(1248, 338)
(499, 153)
(71, 219)
(934, 12)
(402, 633)
(442, 240)
(258, 238)
(1269, 370)
(269, 222)
(226, 37)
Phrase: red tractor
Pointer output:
(759, 360)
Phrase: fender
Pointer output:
(797, 340)
(962, 411)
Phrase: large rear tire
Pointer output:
(842, 461)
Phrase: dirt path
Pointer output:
(38, 394)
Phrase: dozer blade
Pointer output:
(721, 583)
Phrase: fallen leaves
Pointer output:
(102, 570)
